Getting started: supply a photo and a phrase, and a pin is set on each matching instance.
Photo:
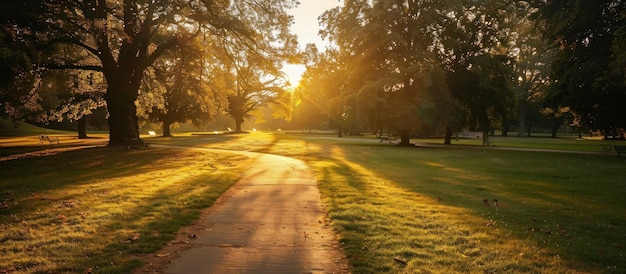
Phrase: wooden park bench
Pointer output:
(619, 149)
(382, 138)
(50, 139)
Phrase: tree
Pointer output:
(73, 96)
(252, 74)
(341, 26)
(587, 72)
(311, 98)
(39, 96)
(181, 87)
(122, 39)
(470, 40)
(485, 89)
(532, 57)
(18, 82)
(252, 89)
(390, 77)
(399, 59)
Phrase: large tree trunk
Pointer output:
(166, 129)
(238, 122)
(405, 136)
(448, 137)
(123, 79)
(555, 128)
(123, 122)
(82, 128)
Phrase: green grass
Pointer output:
(396, 210)
(18, 128)
(570, 143)
(555, 211)
(422, 209)
(101, 208)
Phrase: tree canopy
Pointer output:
(396, 59)
(588, 66)
(122, 39)
(409, 67)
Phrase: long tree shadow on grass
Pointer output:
(549, 214)
(94, 209)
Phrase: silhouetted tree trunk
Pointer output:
(505, 125)
(166, 129)
(448, 137)
(405, 136)
(123, 122)
(82, 128)
(555, 130)
(522, 119)
(238, 122)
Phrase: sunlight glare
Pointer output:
(293, 74)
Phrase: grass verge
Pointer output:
(467, 210)
(397, 210)
(97, 209)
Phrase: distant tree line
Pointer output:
(409, 67)
(437, 67)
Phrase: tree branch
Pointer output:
(73, 66)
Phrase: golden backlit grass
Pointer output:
(396, 210)
(422, 210)
(26, 144)
(97, 209)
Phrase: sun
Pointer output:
(294, 74)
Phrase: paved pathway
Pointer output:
(271, 221)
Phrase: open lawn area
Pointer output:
(395, 209)
(100, 209)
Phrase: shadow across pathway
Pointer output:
(271, 221)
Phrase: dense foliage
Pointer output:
(428, 67)
(588, 67)
(123, 39)
(406, 67)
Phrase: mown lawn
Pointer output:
(571, 143)
(460, 209)
(411, 210)
(467, 210)
(97, 210)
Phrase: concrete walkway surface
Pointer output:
(271, 221)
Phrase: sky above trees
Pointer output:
(306, 27)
